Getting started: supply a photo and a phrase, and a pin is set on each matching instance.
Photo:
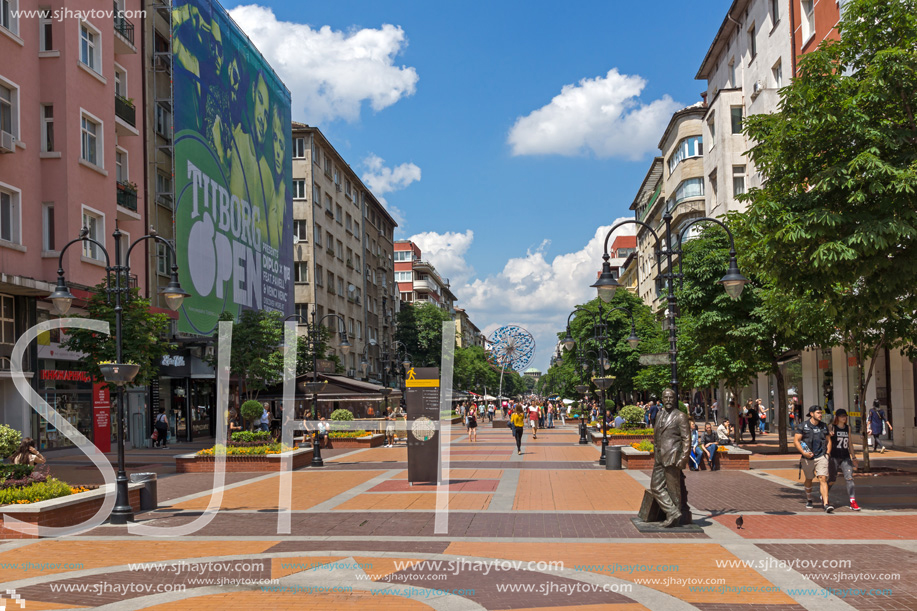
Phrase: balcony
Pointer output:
(124, 110)
(124, 34)
(127, 196)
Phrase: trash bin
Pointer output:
(613, 458)
(148, 500)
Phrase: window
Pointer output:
(163, 187)
(7, 319)
(120, 81)
(348, 222)
(327, 202)
(90, 52)
(301, 272)
(163, 121)
(9, 215)
(47, 227)
(356, 261)
(339, 249)
(711, 125)
(402, 276)
(89, 142)
(338, 213)
(735, 113)
(9, 10)
(732, 73)
(162, 260)
(350, 329)
(359, 330)
(329, 241)
(95, 223)
(349, 256)
(738, 180)
(301, 230)
(302, 311)
(121, 165)
(316, 154)
(9, 108)
(752, 43)
(317, 235)
(775, 11)
(692, 146)
(46, 41)
(299, 148)
(340, 286)
(347, 189)
(808, 19)
(47, 128)
(356, 228)
(692, 187)
(318, 276)
(403, 255)
(713, 187)
(777, 72)
(299, 189)
(327, 165)
(331, 283)
(337, 177)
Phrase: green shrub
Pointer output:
(252, 436)
(252, 410)
(15, 471)
(10, 439)
(33, 493)
(644, 446)
(632, 415)
(342, 414)
(348, 434)
(630, 431)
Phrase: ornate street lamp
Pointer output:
(734, 282)
(314, 337)
(118, 373)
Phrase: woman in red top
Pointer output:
(533, 419)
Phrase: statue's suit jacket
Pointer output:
(672, 438)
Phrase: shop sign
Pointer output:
(173, 360)
(101, 417)
(60, 375)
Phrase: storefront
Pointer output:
(187, 391)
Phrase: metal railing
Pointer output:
(124, 27)
(125, 110)
(127, 196)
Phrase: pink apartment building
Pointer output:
(71, 153)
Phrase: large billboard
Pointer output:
(233, 159)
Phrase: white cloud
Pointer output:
(603, 116)
(330, 73)
(534, 291)
(446, 251)
(381, 180)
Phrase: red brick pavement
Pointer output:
(480, 485)
(872, 567)
(819, 525)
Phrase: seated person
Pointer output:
(724, 432)
(619, 422)
(234, 423)
(709, 445)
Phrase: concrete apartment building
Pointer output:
(418, 281)
(749, 60)
(466, 332)
(71, 151)
(648, 206)
(343, 251)
(813, 21)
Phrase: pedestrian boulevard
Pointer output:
(547, 529)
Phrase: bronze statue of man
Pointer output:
(672, 441)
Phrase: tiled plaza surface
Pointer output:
(547, 529)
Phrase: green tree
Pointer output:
(144, 334)
(837, 214)
(256, 359)
(322, 352)
(732, 340)
(420, 329)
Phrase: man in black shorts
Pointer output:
(814, 444)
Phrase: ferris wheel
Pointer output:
(511, 347)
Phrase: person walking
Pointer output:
(490, 412)
(654, 411)
(472, 422)
(762, 417)
(714, 409)
(518, 423)
(843, 455)
(752, 417)
(265, 418)
(814, 445)
(533, 419)
(161, 424)
(550, 415)
(877, 425)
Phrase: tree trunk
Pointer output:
(734, 414)
(862, 382)
(782, 423)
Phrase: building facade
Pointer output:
(418, 281)
(467, 334)
(71, 155)
(648, 207)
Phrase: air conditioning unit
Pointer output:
(7, 142)
(757, 88)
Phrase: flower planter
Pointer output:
(370, 441)
(619, 440)
(265, 463)
(119, 373)
(63, 511)
(733, 459)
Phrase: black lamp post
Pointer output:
(118, 373)
(313, 336)
(602, 382)
(733, 281)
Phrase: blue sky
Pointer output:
(445, 109)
